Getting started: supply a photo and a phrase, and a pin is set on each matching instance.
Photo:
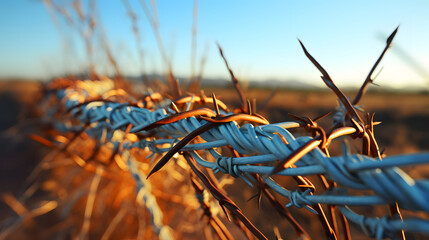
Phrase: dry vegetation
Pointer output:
(68, 185)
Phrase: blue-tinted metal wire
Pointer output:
(262, 147)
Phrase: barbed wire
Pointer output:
(205, 134)
(258, 147)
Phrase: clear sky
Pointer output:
(259, 39)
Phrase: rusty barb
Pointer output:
(203, 133)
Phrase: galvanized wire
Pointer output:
(259, 148)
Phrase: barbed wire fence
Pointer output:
(204, 136)
(111, 141)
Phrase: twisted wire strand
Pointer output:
(265, 145)
(144, 194)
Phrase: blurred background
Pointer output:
(44, 39)
(144, 40)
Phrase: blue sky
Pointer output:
(259, 39)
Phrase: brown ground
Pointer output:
(405, 129)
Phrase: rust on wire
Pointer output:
(369, 78)
(100, 136)
(224, 201)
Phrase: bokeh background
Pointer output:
(42, 40)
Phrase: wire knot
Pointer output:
(225, 165)
(360, 129)
(299, 200)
